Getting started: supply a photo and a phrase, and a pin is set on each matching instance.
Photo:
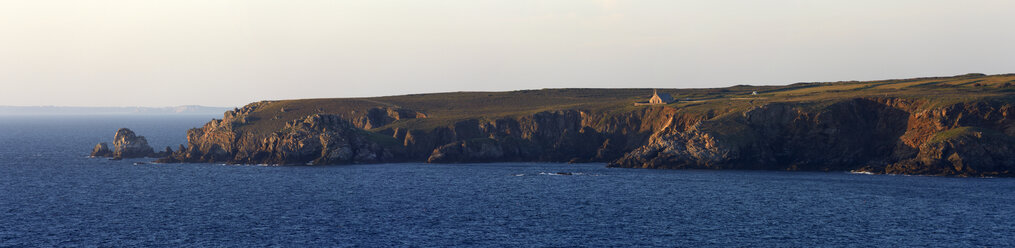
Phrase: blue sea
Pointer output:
(51, 194)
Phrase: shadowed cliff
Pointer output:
(958, 125)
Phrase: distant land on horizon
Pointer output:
(67, 110)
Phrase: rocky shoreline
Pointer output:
(875, 135)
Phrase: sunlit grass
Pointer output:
(444, 109)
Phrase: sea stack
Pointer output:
(126, 144)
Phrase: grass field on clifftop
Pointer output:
(442, 109)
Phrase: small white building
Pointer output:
(657, 99)
(660, 98)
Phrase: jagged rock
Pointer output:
(315, 139)
(101, 150)
(128, 145)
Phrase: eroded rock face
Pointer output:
(552, 136)
(557, 136)
(778, 136)
(963, 151)
(313, 140)
(320, 139)
(873, 135)
(101, 150)
(126, 144)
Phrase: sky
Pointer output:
(232, 52)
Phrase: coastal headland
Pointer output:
(960, 126)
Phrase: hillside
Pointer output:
(444, 108)
(889, 126)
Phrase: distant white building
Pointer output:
(754, 93)
(660, 98)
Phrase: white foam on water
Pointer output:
(862, 172)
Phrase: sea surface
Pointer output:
(51, 194)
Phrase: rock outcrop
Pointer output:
(126, 144)
(967, 152)
(102, 150)
(316, 139)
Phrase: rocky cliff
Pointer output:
(560, 136)
(935, 126)
(879, 135)
(551, 136)
(315, 139)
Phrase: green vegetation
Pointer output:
(443, 109)
(960, 132)
(384, 140)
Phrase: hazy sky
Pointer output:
(229, 53)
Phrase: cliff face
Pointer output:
(559, 136)
(871, 134)
(556, 136)
(316, 139)
(865, 134)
